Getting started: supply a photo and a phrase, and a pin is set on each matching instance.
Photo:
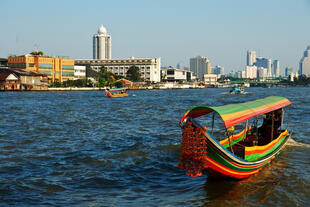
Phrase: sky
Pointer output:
(174, 30)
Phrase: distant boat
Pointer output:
(116, 92)
(235, 154)
(237, 90)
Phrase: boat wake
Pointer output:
(294, 143)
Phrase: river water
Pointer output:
(82, 149)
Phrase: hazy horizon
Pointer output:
(222, 31)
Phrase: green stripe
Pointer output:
(233, 108)
(218, 158)
(257, 156)
(234, 142)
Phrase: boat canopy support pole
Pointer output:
(213, 116)
(282, 118)
(245, 129)
(272, 124)
(256, 127)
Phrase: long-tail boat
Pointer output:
(254, 134)
(116, 92)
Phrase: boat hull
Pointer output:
(218, 162)
(115, 95)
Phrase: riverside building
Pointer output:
(102, 46)
(175, 74)
(149, 67)
(200, 65)
(57, 69)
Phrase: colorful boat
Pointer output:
(245, 147)
(237, 90)
(116, 92)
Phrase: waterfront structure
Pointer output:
(251, 72)
(265, 63)
(210, 79)
(149, 67)
(288, 71)
(19, 79)
(79, 72)
(276, 68)
(304, 64)
(102, 46)
(57, 69)
(174, 74)
(251, 57)
(200, 65)
(218, 70)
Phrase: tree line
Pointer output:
(103, 78)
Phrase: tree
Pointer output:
(133, 73)
(119, 84)
(37, 53)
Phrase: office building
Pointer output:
(218, 70)
(251, 72)
(57, 69)
(276, 68)
(265, 63)
(175, 74)
(288, 71)
(102, 46)
(304, 64)
(200, 65)
(251, 57)
(149, 67)
(261, 73)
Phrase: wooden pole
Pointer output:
(272, 125)
(212, 123)
(246, 129)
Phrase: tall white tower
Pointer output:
(102, 46)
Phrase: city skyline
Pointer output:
(170, 30)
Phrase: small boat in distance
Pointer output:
(237, 90)
(116, 92)
(253, 134)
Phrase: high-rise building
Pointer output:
(102, 47)
(251, 71)
(276, 68)
(261, 73)
(218, 70)
(265, 63)
(251, 57)
(304, 64)
(288, 71)
(200, 65)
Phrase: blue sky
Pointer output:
(222, 30)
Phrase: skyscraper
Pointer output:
(288, 71)
(251, 57)
(218, 70)
(265, 63)
(102, 48)
(200, 65)
(304, 64)
(276, 68)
